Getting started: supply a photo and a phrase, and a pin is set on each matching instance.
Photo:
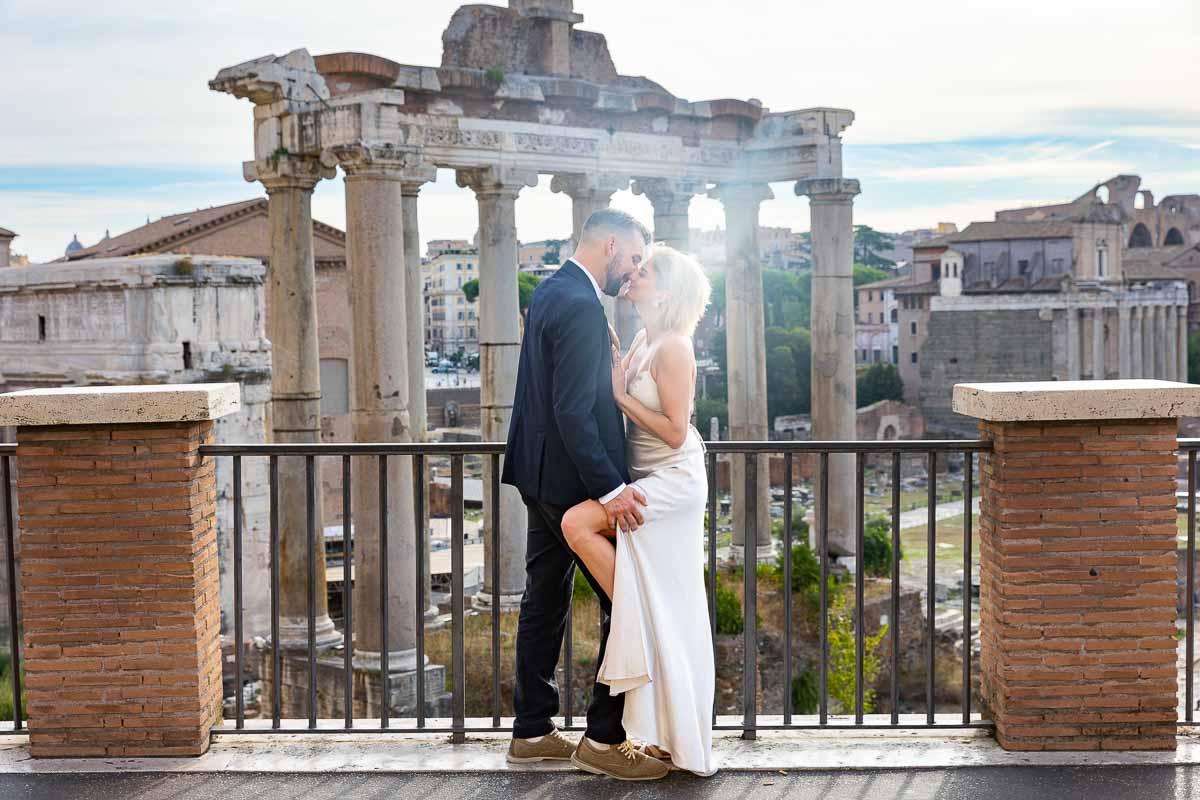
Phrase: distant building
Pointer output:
(877, 328)
(1101, 287)
(451, 324)
(438, 246)
(6, 237)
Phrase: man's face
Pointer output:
(625, 253)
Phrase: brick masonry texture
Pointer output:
(1077, 574)
(119, 589)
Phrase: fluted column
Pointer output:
(1170, 357)
(746, 355)
(833, 377)
(1136, 345)
(380, 405)
(590, 193)
(295, 413)
(1148, 342)
(410, 189)
(1098, 367)
(1124, 356)
(496, 190)
(1181, 355)
(1160, 344)
(1074, 350)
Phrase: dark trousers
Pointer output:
(549, 581)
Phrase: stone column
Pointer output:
(1074, 354)
(746, 349)
(1135, 345)
(410, 188)
(1124, 356)
(1148, 342)
(1170, 352)
(671, 199)
(833, 378)
(1181, 356)
(1098, 366)
(496, 190)
(1160, 343)
(118, 561)
(590, 193)
(295, 412)
(1077, 548)
(379, 408)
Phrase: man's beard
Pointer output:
(612, 281)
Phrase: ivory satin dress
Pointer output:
(660, 650)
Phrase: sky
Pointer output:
(962, 107)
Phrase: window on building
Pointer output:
(937, 270)
(1023, 266)
(472, 332)
(41, 328)
(912, 327)
(187, 355)
(876, 355)
(335, 386)
(870, 297)
(913, 357)
(895, 315)
(460, 315)
(1102, 258)
(895, 354)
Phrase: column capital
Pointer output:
(496, 180)
(284, 171)
(384, 160)
(828, 190)
(741, 193)
(576, 185)
(667, 191)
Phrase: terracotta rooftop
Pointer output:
(887, 283)
(171, 233)
(1000, 231)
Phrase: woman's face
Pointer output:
(642, 283)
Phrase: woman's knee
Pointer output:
(573, 528)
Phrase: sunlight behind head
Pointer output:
(684, 286)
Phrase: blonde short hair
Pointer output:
(686, 286)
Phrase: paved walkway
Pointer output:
(918, 517)
(979, 783)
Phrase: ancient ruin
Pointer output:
(520, 92)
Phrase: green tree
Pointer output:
(1194, 358)
(526, 283)
(842, 667)
(789, 371)
(879, 382)
(877, 546)
(868, 274)
(706, 409)
(868, 243)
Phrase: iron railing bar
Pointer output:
(310, 502)
(276, 651)
(385, 658)
(787, 588)
(968, 585)
(982, 725)
(1190, 607)
(567, 645)
(712, 558)
(860, 568)
(895, 621)
(10, 552)
(930, 587)
(457, 611)
(750, 604)
(496, 592)
(347, 593)
(239, 700)
(419, 513)
(823, 622)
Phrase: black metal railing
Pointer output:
(753, 718)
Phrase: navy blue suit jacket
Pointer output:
(566, 441)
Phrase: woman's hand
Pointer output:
(612, 337)
(618, 376)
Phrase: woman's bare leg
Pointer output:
(585, 527)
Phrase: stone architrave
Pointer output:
(590, 193)
(418, 413)
(833, 379)
(380, 405)
(747, 358)
(496, 191)
(295, 386)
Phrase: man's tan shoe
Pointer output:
(551, 747)
(623, 762)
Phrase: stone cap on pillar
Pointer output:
(1039, 401)
(110, 405)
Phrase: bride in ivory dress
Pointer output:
(660, 648)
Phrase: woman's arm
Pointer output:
(675, 374)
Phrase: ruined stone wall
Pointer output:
(980, 347)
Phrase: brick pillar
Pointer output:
(1077, 557)
(118, 587)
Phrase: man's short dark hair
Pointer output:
(611, 220)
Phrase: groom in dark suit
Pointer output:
(566, 444)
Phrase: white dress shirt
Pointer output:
(606, 499)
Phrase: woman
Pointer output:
(660, 647)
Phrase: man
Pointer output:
(566, 444)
